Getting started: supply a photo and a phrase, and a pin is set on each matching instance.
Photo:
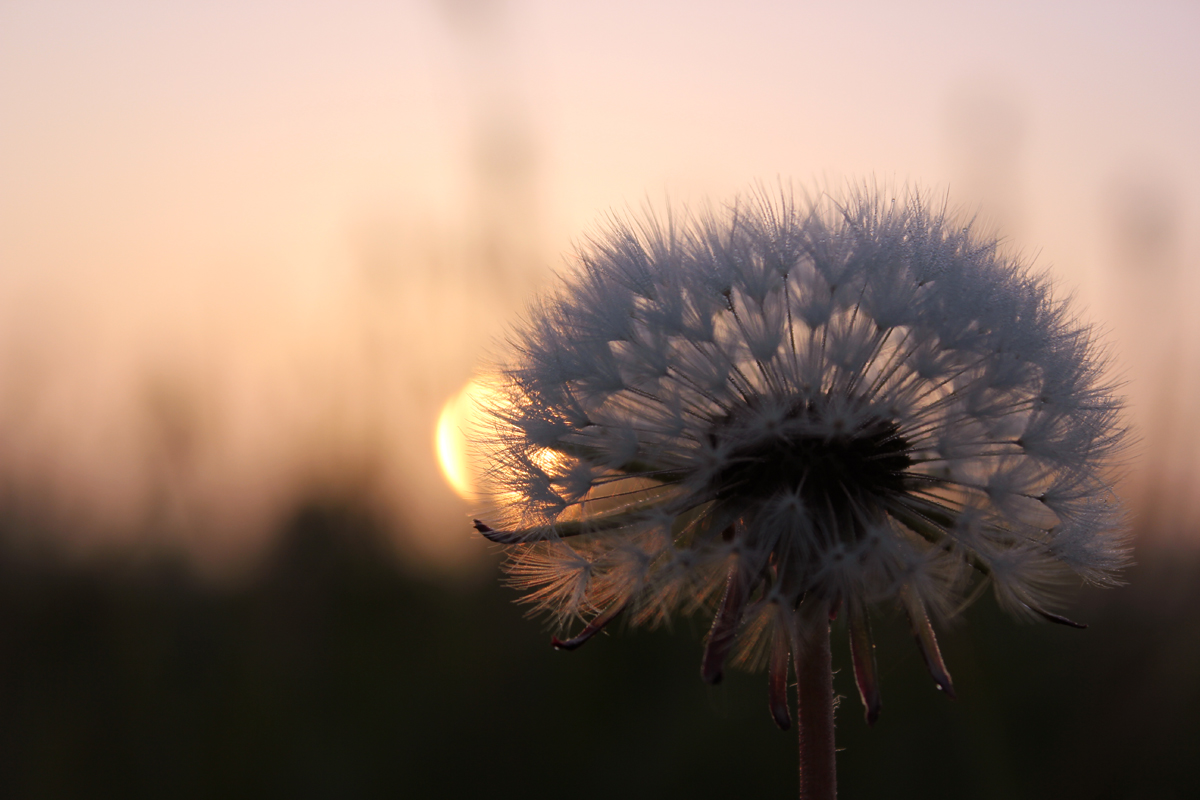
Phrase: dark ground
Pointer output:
(335, 674)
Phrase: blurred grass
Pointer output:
(337, 673)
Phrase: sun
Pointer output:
(461, 462)
(458, 416)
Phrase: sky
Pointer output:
(251, 250)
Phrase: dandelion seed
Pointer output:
(785, 411)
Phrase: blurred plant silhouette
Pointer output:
(334, 670)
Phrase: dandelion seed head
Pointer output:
(809, 404)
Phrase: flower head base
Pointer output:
(791, 409)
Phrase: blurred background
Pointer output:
(253, 254)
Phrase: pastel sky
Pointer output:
(249, 250)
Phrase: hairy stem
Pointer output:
(814, 696)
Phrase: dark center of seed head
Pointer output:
(838, 474)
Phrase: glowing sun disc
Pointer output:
(453, 450)
(459, 459)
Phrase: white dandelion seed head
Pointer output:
(826, 402)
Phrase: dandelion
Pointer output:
(786, 411)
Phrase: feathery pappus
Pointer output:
(782, 410)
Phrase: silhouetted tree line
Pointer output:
(337, 673)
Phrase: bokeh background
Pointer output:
(252, 255)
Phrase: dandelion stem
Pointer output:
(814, 699)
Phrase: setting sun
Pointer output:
(451, 438)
